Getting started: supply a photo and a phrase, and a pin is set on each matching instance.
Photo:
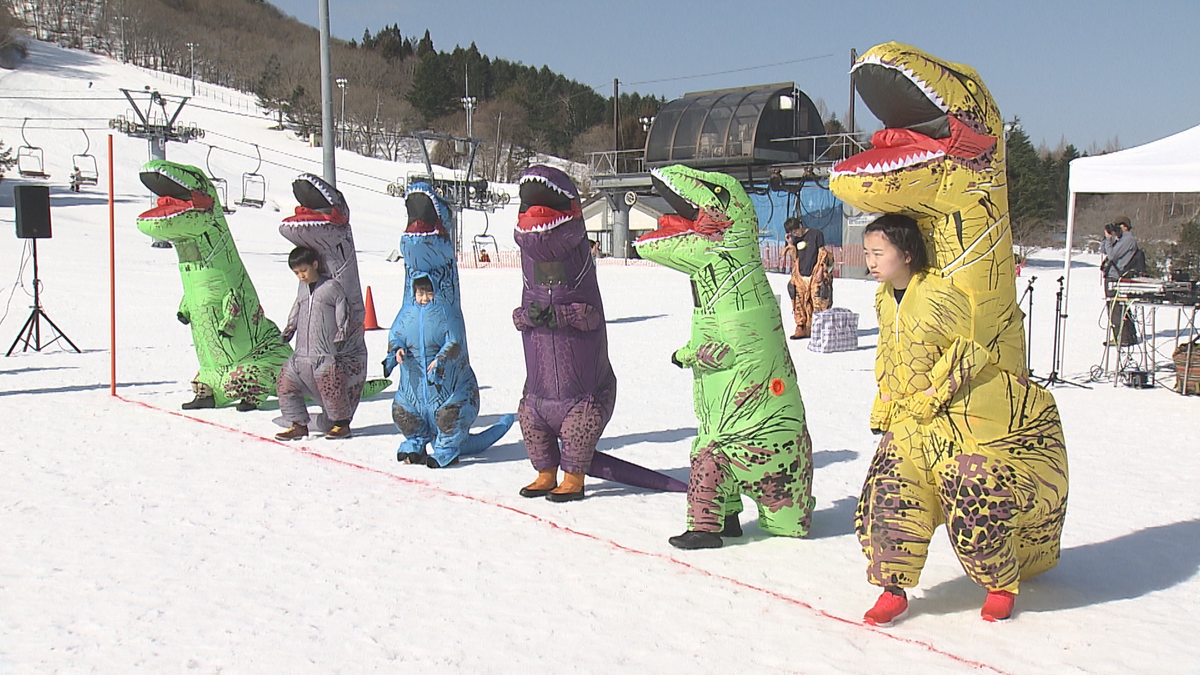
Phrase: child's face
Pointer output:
(885, 261)
(308, 272)
(423, 296)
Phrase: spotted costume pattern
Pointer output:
(752, 437)
(239, 349)
(985, 455)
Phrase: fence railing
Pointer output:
(772, 257)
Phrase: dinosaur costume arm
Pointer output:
(708, 356)
(231, 309)
(341, 315)
(579, 315)
(184, 316)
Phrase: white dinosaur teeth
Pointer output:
(546, 181)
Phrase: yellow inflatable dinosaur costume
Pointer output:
(986, 454)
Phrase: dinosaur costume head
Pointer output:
(940, 159)
(713, 236)
(427, 246)
(187, 208)
(550, 224)
(426, 241)
(322, 222)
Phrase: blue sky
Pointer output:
(1087, 72)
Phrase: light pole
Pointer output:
(192, 52)
(124, 59)
(341, 83)
(468, 103)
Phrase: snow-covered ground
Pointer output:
(139, 538)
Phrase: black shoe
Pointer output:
(159, 243)
(200, 402)
(733, 527)
(561, 497)
(246, 405)
(433, 463)
(526, 492)
(692, 540)
(411, 457)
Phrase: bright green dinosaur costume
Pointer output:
(985, 454)
(752, 436)
(240, 350)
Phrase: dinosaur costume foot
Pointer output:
(733, 526)
(246, 405)
(692, 540)
(545, 482)
(200, 402)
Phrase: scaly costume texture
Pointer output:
(752, 436)
(570, 388)
(332, 374)
(986, 454)
(434, 408)
(239, 349)
(812, 292)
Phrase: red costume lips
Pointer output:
(307, 215)
(170, 206)
(539, 218)
(673, 224)
(904, 147)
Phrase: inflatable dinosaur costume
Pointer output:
(985, 454)
(239, 349)
(752, 436)
(570, 389)
(437, 399)
(322, 222)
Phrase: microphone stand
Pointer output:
(1057, 356)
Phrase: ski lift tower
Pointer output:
(154, 123)
(459, 194)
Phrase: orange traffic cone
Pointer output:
(369, 321)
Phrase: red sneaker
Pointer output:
(890, 607)
(998, 606)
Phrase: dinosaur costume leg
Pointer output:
(453, 422)
(337, 397)
(538, 429)
(292, 388)
(417, 432)
(713, 492)
(1003, 501)
(802, 305)
(581, 429)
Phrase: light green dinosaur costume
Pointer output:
(240, 350)
(752, 436)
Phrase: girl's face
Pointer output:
(885, 261)
(422, 296)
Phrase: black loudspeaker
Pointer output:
(33, 211)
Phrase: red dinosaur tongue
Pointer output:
(673, 224)
(169, 206)
(422, 227)
(306, 215)
(539, 217)
(899, 147)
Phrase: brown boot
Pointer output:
(293, 433)
(569, 490)
(546, 481)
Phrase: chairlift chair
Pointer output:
(89, 172)
(254, 186)
(31, 161)
(220, 184)
(482, 242)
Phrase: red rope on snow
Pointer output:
(563, 528)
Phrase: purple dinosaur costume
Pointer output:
(570, 389)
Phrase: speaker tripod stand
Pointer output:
(1056, 357)
(31, 332)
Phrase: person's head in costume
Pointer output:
(422, 290)
(306, 264)
(894, 249)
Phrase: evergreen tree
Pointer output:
(425, 46)
(6, 159)
(1029, 203)
(433, 91)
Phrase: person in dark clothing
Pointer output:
(811, 286)
(1121, 260)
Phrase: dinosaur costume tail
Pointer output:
(477, 443)
(618, 470)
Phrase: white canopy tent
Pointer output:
(1170, 164)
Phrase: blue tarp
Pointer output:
(818, 207)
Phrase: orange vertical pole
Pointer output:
(112, 277)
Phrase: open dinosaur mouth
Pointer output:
(688, 219)
(918, 128)
(173, 197)
(420, 227)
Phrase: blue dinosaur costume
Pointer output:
(438, 397)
